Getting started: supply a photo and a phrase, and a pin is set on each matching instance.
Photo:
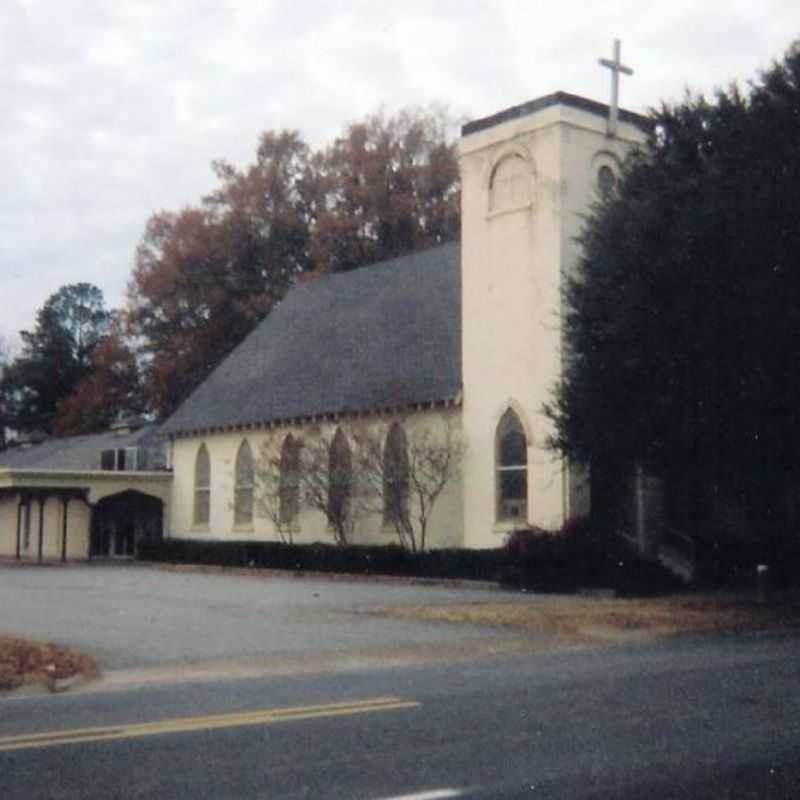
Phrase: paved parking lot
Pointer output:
(132, 617)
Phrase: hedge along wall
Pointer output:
(533, 560)
(319, 557)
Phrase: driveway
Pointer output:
(131, 617)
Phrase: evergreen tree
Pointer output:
(55, 356)
(683, 321)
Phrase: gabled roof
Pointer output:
(80, 453)
(383, 336)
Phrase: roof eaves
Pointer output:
(449, 401)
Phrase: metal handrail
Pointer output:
(680, 541)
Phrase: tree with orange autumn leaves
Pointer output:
(206, 275)
(386, 187)
(110, 390)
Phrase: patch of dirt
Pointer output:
(617, 619)
(23, 662)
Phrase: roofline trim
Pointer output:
(13, 473)
(556, 98)
(327, 416)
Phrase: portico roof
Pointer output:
(91, 485)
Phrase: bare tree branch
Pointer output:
(434, 455)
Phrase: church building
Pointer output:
(461, 342)
(464, 337)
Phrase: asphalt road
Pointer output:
(700, 718)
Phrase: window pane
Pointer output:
(244, 466)
(132, 458)
(339, 477)
(290, 480)
(202, 503)
(395, 473)
(606, 180)
(202, 469)
(513, 485)
(511, 465)
(243, 511)
(513, 450)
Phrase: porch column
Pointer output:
(42, 501)
(65, 501)
(92, 529)
(19, 528)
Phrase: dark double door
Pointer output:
(120, 523)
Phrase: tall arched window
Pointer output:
(395, 478)
(340, 478)
(243, 486)
(202, 487)
(290, 481)
(606, 181)
(509, 187)
(511, 459)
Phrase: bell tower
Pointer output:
(529, 175)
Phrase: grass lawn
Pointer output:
(610, 619)
(25, 662)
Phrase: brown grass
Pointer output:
(619, 619)
(25, 662)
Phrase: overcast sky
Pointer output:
(112, 109)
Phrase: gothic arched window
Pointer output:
(511, 459)
(340, 478)
(202, 487)
(243, 486)
(289, 491)
(509, 187)
(606, 181)
(395, 478)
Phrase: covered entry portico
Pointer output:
(56, 515)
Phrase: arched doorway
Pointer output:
(121, 522)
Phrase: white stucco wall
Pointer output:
(513, 260)
(446, 524)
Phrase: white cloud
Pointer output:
(115, 108)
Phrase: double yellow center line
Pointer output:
(202, 723)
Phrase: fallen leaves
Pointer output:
(620, 619)
(26, 662)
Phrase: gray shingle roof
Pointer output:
(381, 336)
(81, 452)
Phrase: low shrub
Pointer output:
(322, 557)
(580, 556)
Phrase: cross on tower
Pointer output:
(616, 67)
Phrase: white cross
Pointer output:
(616, 68)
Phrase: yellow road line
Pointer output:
(211, 717)
(209, 722)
